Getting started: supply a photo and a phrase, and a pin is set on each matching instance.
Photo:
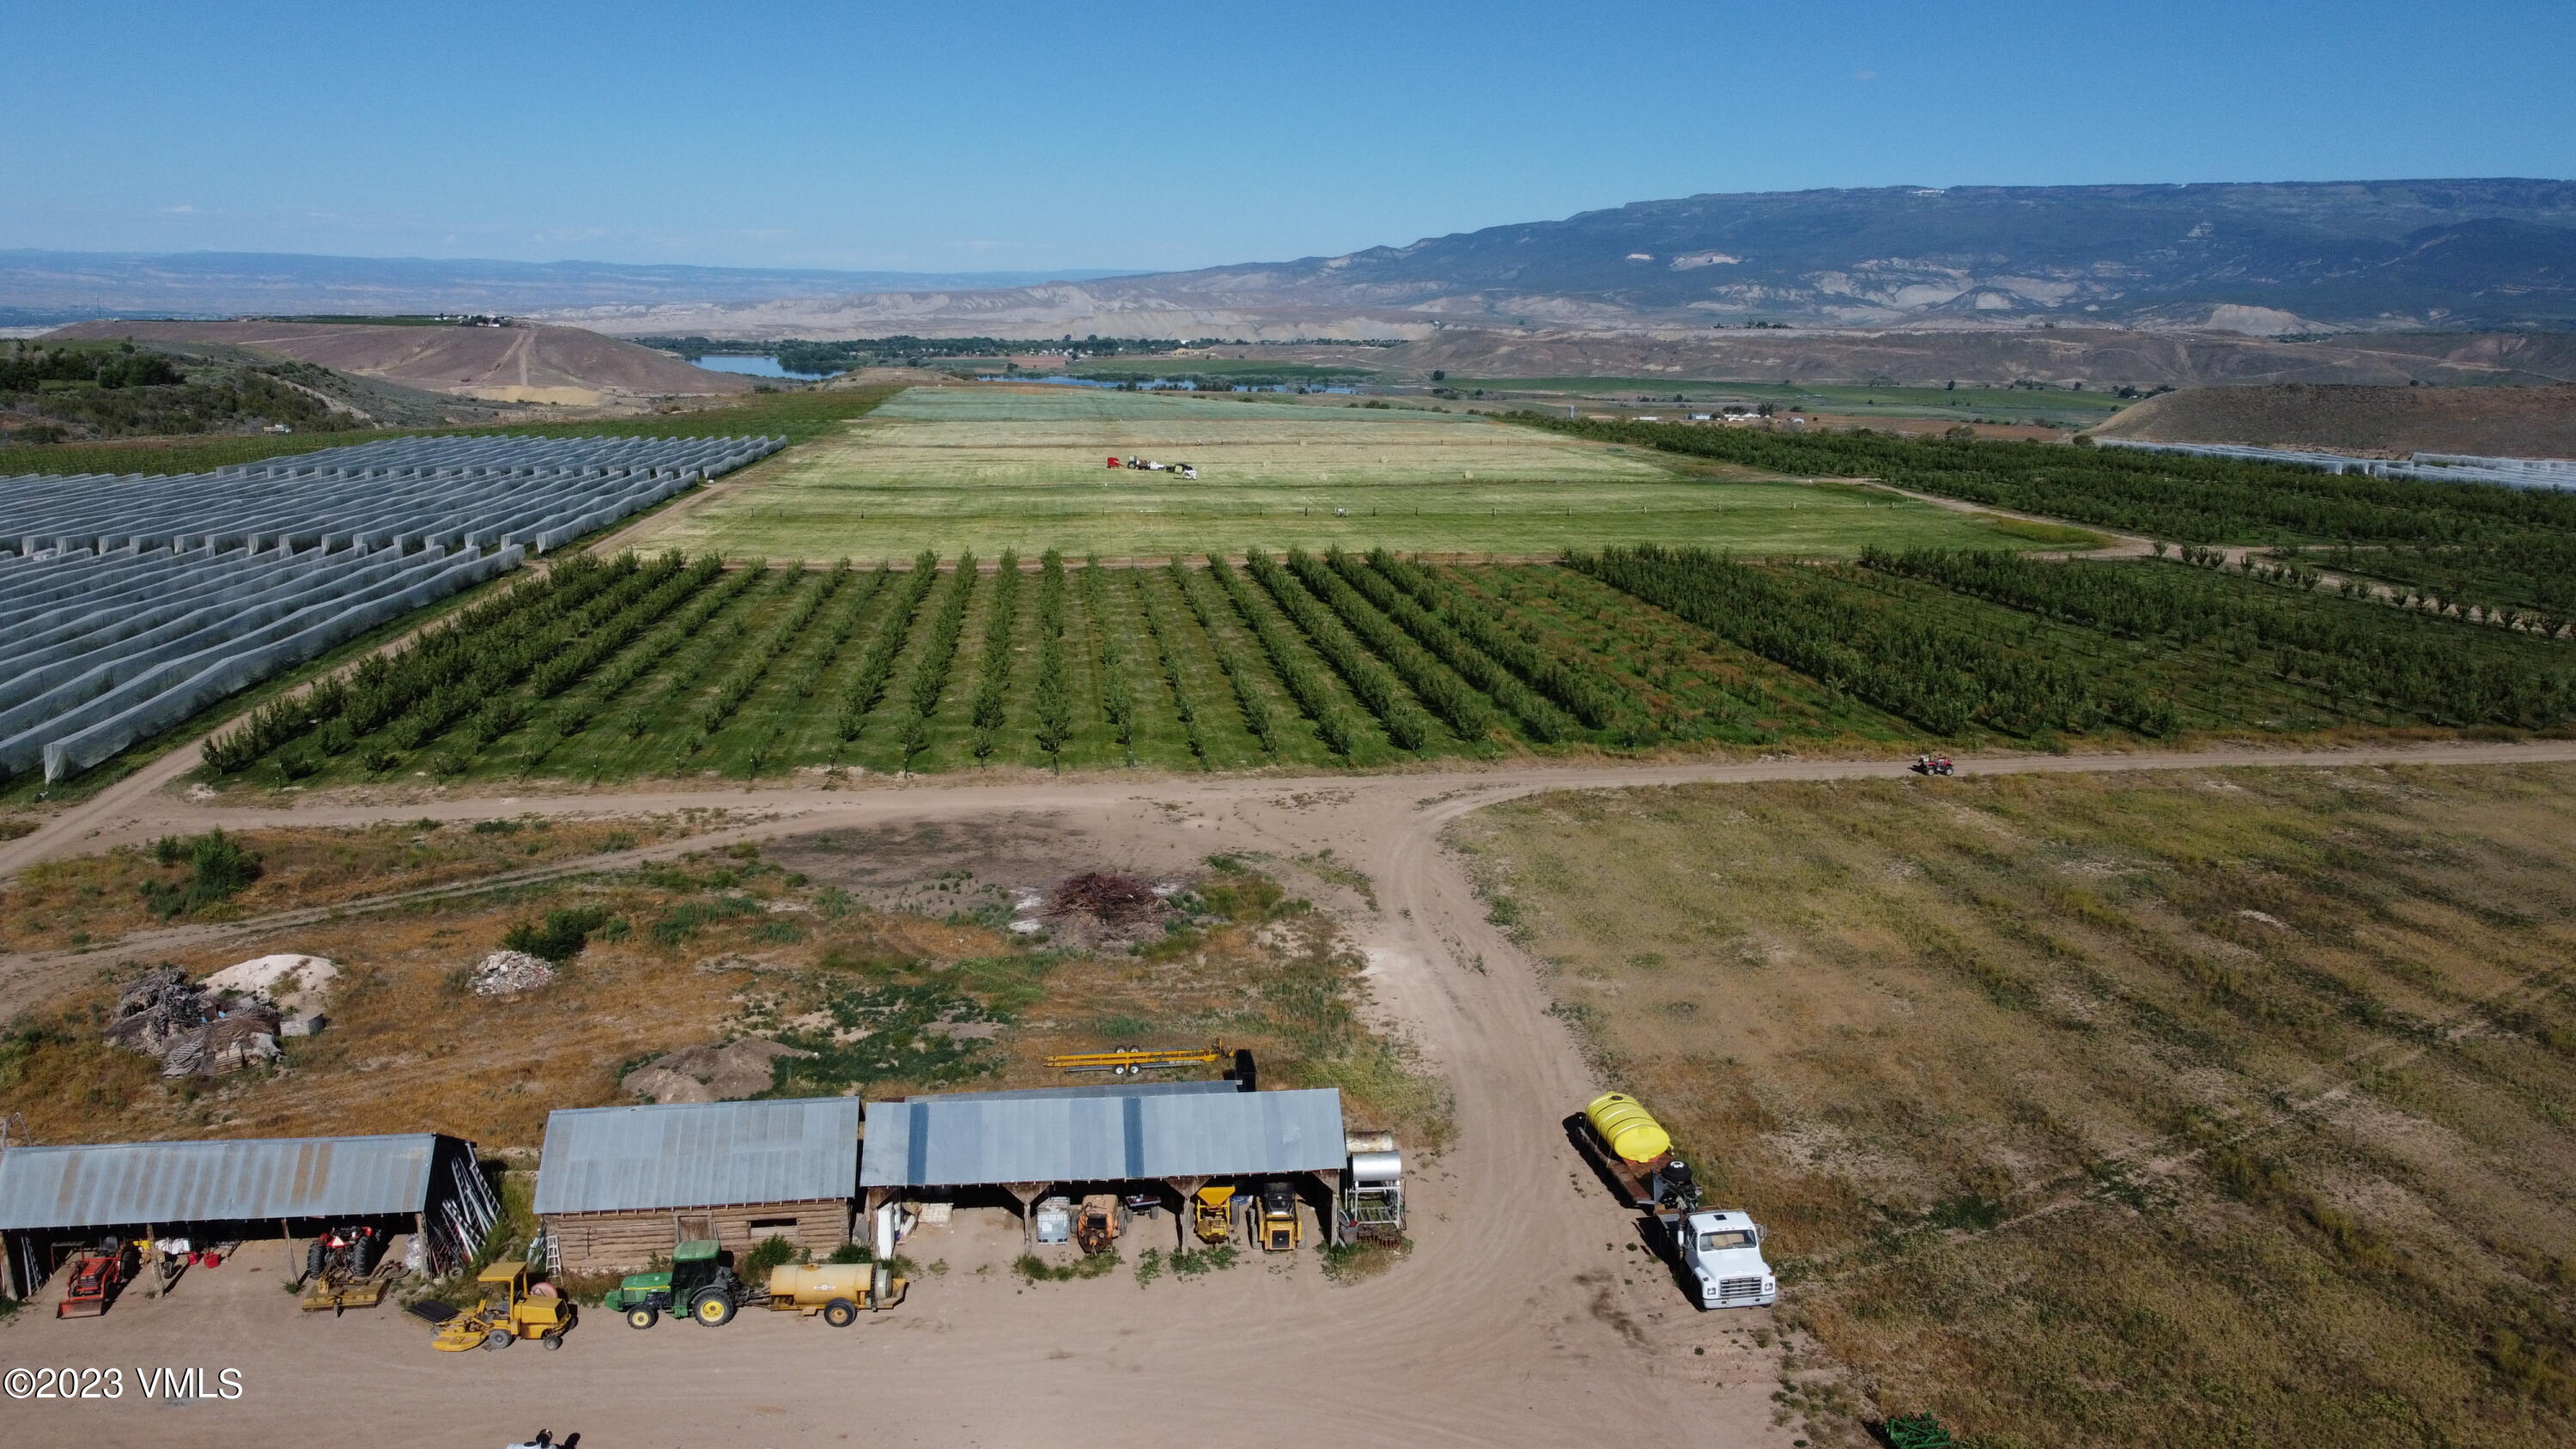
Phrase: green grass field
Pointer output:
(988, 468)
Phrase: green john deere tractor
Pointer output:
(699, 1283)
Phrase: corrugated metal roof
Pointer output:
(193, 1182)
(699, 1154)
(1010, 1137)
(1119, 1089)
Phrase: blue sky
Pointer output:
(1001, 135)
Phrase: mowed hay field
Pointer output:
(990, 467)
(2225, 1108)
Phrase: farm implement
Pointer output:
(96, 1274)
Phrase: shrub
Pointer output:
(560, 937)
(218, 868)
(770, 1252)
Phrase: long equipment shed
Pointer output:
(54, 1197)
(617, 1185)
(1028, 1142)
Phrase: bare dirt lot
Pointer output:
(1521, 1316)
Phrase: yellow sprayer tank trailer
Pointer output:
(1719, 1249)
(838, 1291)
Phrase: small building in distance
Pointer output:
(617, 1185)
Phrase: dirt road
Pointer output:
(1523, 1316)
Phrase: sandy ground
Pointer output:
(1521, 1316)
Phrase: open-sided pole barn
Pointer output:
(53, 1199)
(1180, 1136)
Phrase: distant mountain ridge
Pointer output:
(42, 287)
(2464, 253)
(2266, 259)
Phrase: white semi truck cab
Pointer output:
(1723, 1251)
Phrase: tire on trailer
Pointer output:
(713, 1307)
(840, 1313)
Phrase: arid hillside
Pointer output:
(2097, 357)
(2263, 260)
(2524, 422)
(507, 364)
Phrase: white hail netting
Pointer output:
(2432, 467)
(130, 602)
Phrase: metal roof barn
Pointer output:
(699, 1154)
(976, 1140)
(195, 1182)
(1120, 1089)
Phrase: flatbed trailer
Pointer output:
(1719, 1251)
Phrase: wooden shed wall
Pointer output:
(626, 1241)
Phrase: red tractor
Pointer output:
(96, 1275)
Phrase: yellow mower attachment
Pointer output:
(508, 1313)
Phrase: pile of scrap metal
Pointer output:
(194, 1032)
(465, 1217)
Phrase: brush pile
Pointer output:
(194, 1032)
(1111, 899)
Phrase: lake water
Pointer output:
(755, 367)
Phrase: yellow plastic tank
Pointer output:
(810, 1284)
(1630, 1130)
